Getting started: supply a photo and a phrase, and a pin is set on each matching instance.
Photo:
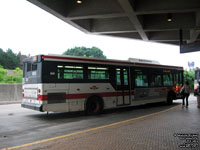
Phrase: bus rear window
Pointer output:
(34, 67)
(30, 69)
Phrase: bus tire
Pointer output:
(94, 106)
(170, 98)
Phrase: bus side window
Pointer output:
(98, 73)
(167, 79)
(181, 77)
(60, 72)
(141, 79)
(73, 72)
(118, 77)
(125, 73)
(156, 80)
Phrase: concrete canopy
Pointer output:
(138, 19)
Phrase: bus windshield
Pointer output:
(197, 74)
(196, 79)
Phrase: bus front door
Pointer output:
(122, 86)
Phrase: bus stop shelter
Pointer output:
(172, 21)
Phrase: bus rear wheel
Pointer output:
(94, 106)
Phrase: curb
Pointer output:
(9, 102)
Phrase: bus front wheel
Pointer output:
(94, 106)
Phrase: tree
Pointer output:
(3, 60)
(93, 52)
(9, 60)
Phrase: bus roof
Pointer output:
(75, 59)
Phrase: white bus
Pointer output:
(54, 83)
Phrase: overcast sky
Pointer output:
(27, 28)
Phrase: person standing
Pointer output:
(198, 95)
(186, 93)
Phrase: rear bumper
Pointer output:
(37, 107)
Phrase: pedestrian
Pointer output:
(186, 93)
(198, 95)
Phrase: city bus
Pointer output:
(196, 80)
(57, 83)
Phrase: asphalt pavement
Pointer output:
(19, 126)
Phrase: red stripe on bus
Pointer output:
(77, 96)
(85, 95)
(85, 59)
(108, 94)
(42, 97)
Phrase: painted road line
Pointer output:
(88, 130)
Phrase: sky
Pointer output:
(26, 28)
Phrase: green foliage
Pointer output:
(93, 52)
(9, 60)
(4, 78)
(18, 72)
(18, 75)
(3, 73)
(189, 76)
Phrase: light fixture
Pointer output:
(169, 17)
(79, 1)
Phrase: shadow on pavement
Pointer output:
(77, 116)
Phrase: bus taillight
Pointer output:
(178, 88)
(23, 93)
(42, 97)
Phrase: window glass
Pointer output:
(34, 67)
(141, 79)
(98, 73)
(197, 74)
(125, 76)
(59, 74)
(118, 77)
(28, 67)
(180, 74)
(69, 72)
(156, 80)
(177, 79)
(167, 79)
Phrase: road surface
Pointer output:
(20, 126)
